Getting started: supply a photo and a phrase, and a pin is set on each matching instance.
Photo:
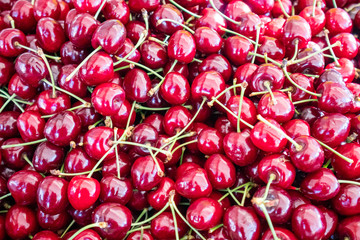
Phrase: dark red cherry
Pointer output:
(145, 173)
(115, 190)
(50, 35)
(22, 13)
(241, 223)
(162, 227)
(21, 89)
(279, 166)
(62, 128)
(296, 28)
(303, 81)
(81, 29)
(345, 169)
(210, 141)
(335, 97)
(281, 109)
(175, 89)
(212, 19)
(20, 222)
(160, 196)
(6, 71)
(120, 118)
(116, 9)
(331, 129)
(110, 35)
(82, 217)
(144, 134)
(267, 74)
(266, 139)
(117, 217)
(13, 157)
(273, 48)
(275, 28)
(31, 68)
(281, 233)
(8, 39)
(43, 9)
(23, 185)
(46, 235)
(64, 9)
(52, 195)
(87, 6)
(221, 171)
(86, 234)
(207, 40)
(137, 85)
(138, 235)
(348, 47)
(345, 67)
(73, 85)
(193, 183)
(331, 219)
(224, 126)
(207, 84)
(175, 119)
(153, 54)
(236, 49)
(148, 5)
(179, 68)
(311, 155)
(107, 98)
(310, 114)
(338, 21)
(83, 192)
(167, 11)
(182, 46)
(49, 104)
(296, 128)
(134, 30)
(138, 201)
(320, 185)
(204, 213)
(167, 160)
(346, 202)
(349, 228)
(30, 126)
(77, 161)
(53, 222)
(98, 69)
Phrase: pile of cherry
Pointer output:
(179, 119)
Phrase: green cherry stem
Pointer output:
(326, 33)
(182, 145)
(223, 15)
(68, 228)
(184, 9)
(265, 57)
(175, 221)
(243, 89)
(7, 102)
(211, 230)
(15, 100)
(211, 103)
(238, 34)
(139, 229)
(267, 217)
(59, 173)
(87, 105)
(42, 55)
(289, 89)
(99, 9)
(24, 144)
(313, 8)
(283, 9)
(5, 196)
(176, 22)
(335, 152)
(296, 50)
(152, 217)
(305, 101)
(17, 44)
(93, 225)
(233, 196)
(256, 42)
(349, 182)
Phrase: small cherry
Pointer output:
(83, 192)
(281, 233)
(115, 9)
(175, 119)
(182, 46)
(147, 172)
(46, 235)
(49, 104)
(107, 98)
(221, 171)
(175, 89)
(137, 85)
(30, 126)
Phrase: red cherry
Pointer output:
(8, 38)
(160, 197)
(149, 5)
(281, 111)
(107, 98)
(116, 9)
(83, 192)
(207, 84)
(347, 200)
(281, 233)
(296, 128)
(316, 20)
(348, 47)
(218, 63)
(345, 169)
(30, 126)
(267, 74)
(20, 222)
(153, 54)
(162, 227)
(73, 85)
(146, 174)
(210, 141)
(175, 89)
(346, 69)
(137, 85)
(49, 34)
(296, 28)
(182, 46)
(349, 228)
(53, 222)
(77, 161)
(236, 49)
(138, 235)
(81, 28)
(13, 157)
(46, 235)
(89, 6)
(207, 40)
(212, 19)
(49, 104)
(175, 119)
(23, 14)
(167, 11)
(97, 142)
(338, 21)
(221, 171)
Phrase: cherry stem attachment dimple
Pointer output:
(281, 132)
(335, 152)
(93, 225)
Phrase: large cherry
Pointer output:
(137, 85)
(167, 11)
(146, 173)
(175, 119)
(47, 157)
(182, 46)
(107, 98)
(8, 38)
(77, 161)
(20, 222)
(30, 126)
(98, 141)
(175, 89)
(345, 169)
(115, 9)
(50, 34)
(83, 192)
(248, 111)
(221, 171)
(49, 104)
(207, 84)
(347, 200)
(31, 68)
(160, 196)
(349, 228)
(278, 106)
(296, 28)
(237, 50)
(13, 157)
(335, 98)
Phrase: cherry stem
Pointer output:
(266, 58)
(86, 105)
(5, 196)
(244, 195)
(233, 114)
(335, 152)
(349, 182)
(233, 196)
(157, 40)
(140, 107)
(297, 85)
(290, 98)
(267, 85)
(184, 9)
(238, 34)
(326, 33)
(71, 75)
(256, 42)
(142, 145)
(152, 217)
(67, 229)
(139, 229)
(240, 106)
(176, 22)
(182, 145)
(153, 90)
(93, 225)
(117, 154)
(295, 50)
(42, 55)
(268, 219)
(159, 70)
(100, 161)
(99, 9)
(67, 92)
(160, 172)
(211, 230)
(23, 144)
(233, 190)
(289, 89)
(223, 15)
(12, 22)
(283, 9)
(3, 211)
(352, 137)
(352, 7)
(305, 101)
(313, 8)
(59, 173)
(144, 211)
(7, 102)
(182, 156)
(326, 165)
(16, 100)
(211, 103)
(171, 141)
(311, 75)
(281, 132)
(197, 60)
(334, 3)
(174, 217)
(17, 44)
(25, 157)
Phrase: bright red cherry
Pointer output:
(279, 108)
(43, 8)
(346, 202)
(348, 47)
(107, 98)
(115, 9)
(182, 46)
(30, 126)
(146, 173)
(207, 84)
(137, 85)
(162, 227)
(20, 222)
(267, 76)
(338, 21)
(175, 89)
(160, 196)
(83, 192)
(8, 39)
(88, 6)
(167, 11)
(50, 34)
(23, 14)
(221, 171)
(237, 50)
(193, 183)
(296, 28)
(345, 169)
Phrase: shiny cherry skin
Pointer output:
(144, 134)
(329, 75)
(267, 72)
(338, 21)
(47, 157)
(162, 227)
(281, 111)
(81, 29)
(110, 35)
(7, 72)
(331, 219)
(223, 125)
(316, 21)
(23, 185)
(344, 169)
(182, 46)
(207, 84)
(31, 68)
(347, 200)
(280, 166)
(71, 54)
(83, 192)
(50, 35)
(53, 222)
(88, 6)
(8, 37)
(193, 183)
(98, 69)
(113, 189)
(308, 222)
(30, 126)
(52, 195)
(275, 28)
(212, 19)
(281, 233)
(264, 137)
(236, 49)
(277, 204)
(311, 155)
(117, 217)
(221, 171)
(20, 222)
(248, 111)
(204, 213)
(138, 5)
(116, 9)
(241, 223)
(218, 63)
(107, 98)
(86, 234)
(44, 9)
(175, 119)
(348, 47)
(320, 185)
(145, 173)
(167, 160)
(331, 129)
(219, 234)
(49, 104)
(23, 14)
(272, 47)
(179, 68)
(160, 196)
(13, 157)
(138, 235)
(334, 97)
(137, 85)
(303, 81)
(167, 11)
(77, 161)
(82, 217)
(73, 85)
(175, 89)
(153, 54)
(349, 228)
(120, 118)
(296, 28)
(207, 40)
(355, 90)
(46, 235)
(296, 128)
(210, 141)
(310, 114)
(134, 29)
(138, 201)
(346, 68)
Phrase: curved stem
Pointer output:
(335, 152)
(175, 222)
(17, 44)
(223, 15)
(256, 43)
(211, 230)
(326, 33)
(158, 40)
(25, 157)
(264, 92)
(240, 106)
(5, 196)
(283, 9)
(272, 177)
(182, 145)
(59, 173)
(267, 58)
(176, 22)
(159, 171)
(305, 101)
(233, 190)
(267, 85)
(184, 9)
(7, 102)
(295, 50)
(41, 54)
(98, 224)
(138, 229)
(101, 160)
(24, 144)
(16, 100)
(233, 197)
(313, 9)
(349, 182)
(210, 103)
(99, 9)
(281, 132)
(152, 217)
(268, 219)
(87, 105)
(238, 34)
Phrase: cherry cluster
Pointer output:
(179, 119)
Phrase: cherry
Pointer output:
(267, 76)
(135, 29)
(179, 68)
(345, 67)
(210, 141)
(296, 29)
(212, 19)
(207, 84)
(167, 11)
(146, 235)
(137, 85)
(277, 106)
(83, 192)
(81, 29)
(153, 54)
(338, 21)
(163, 227)
(121, 117)
(47, 157)
(138, 5)
(348, 47)
(316, 21)
(277, 11)
(117, 217)
(331, 220)
(331, 135)
(22, 13)
(204, 213)
(46, 235)
(219, 63)
(23, 185)
(20, 222)
(349, 228)
(275, 28)
(43, 9)
(8, 39)
(86, 234)
(82, 217)
(160, 197)
(6, 72)
(241, 223)
(49, 104)
(175, 119)
(52, 195)
(296, 128)
(138, 201)
(31, 68)
(260, 7)
(175, 89)
(182, 46)
(144, 134)
(146, 173)
(272, 47)
(30, 126)
(335, 97)
(220, 170)
(224, 126)
(345, 169)
(53, 222)
(115, 9)
(347, 200)
(193, 183)
(207, 40)
(77, 161)
(278, 168)
(13, 157)
(107, 98)
(236, 49)
(115, 190)
(87, 6)
(304, 82)
(355, 90)
(49, 34)
(73, 85)
(277, 204)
